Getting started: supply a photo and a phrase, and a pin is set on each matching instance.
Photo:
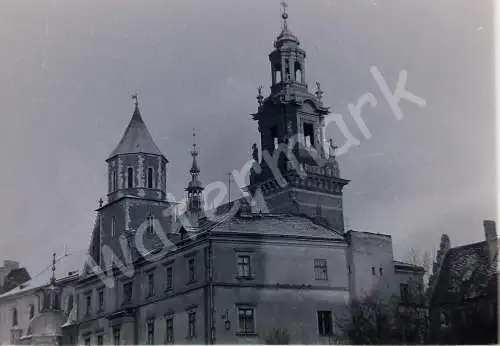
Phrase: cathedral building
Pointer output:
(279, 258)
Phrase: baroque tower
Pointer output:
(291, 122)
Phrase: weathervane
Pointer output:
(136, 100)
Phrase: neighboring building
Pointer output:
(463, 292)
(34, 311)
(12, 275)
(279, 260)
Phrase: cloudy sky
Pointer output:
(68, 69)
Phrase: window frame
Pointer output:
(320, 269)
(246, 325)
(150, 288)
(150, 178)
(150, 331)
(125, 285)
(191, 332)
(244, 268)
(116, 335)
(169, 330)
(169, 279)
(191, 269)
(130, 177)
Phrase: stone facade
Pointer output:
(230, 277)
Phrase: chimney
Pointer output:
(490, 234)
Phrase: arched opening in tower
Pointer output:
(298, 72)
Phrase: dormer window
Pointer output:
(150, 178)
(130, 177)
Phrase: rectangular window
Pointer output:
(244, 266)
(373, 271)
(87, 341)
(320, 269)
(325, 325)
(169, 337)
(151, 285)
(150, 178)
(246, 321)
(169, 279)
(381, 271)
(404, 291)
(88, 304)
(192, 270)
(116, 336)
(100, 340)
(100, 294)
(113, 226)
(151, 332)
(127, 292)
(130, 177)
(191, 324)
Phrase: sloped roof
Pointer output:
(466, 273)
(136, 138)
(69, 263)
(408, 266)
(277, 225)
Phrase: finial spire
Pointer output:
(259, 95)
(53, 278)
(284, 15)
(136, 100)
(194, 139)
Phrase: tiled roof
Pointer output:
(466, 273)
(136, 138)
(276, 224)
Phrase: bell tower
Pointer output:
(291, 123)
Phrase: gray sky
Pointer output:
(68, 70)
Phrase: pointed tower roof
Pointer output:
(136, 138)
(194, 184)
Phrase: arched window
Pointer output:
(298, 72)
(14, 317)
(130, 177)
(113, 226)
(113, 181)
(31, 311)
(150, 178)
(277, 73)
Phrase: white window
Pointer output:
(113, 226)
